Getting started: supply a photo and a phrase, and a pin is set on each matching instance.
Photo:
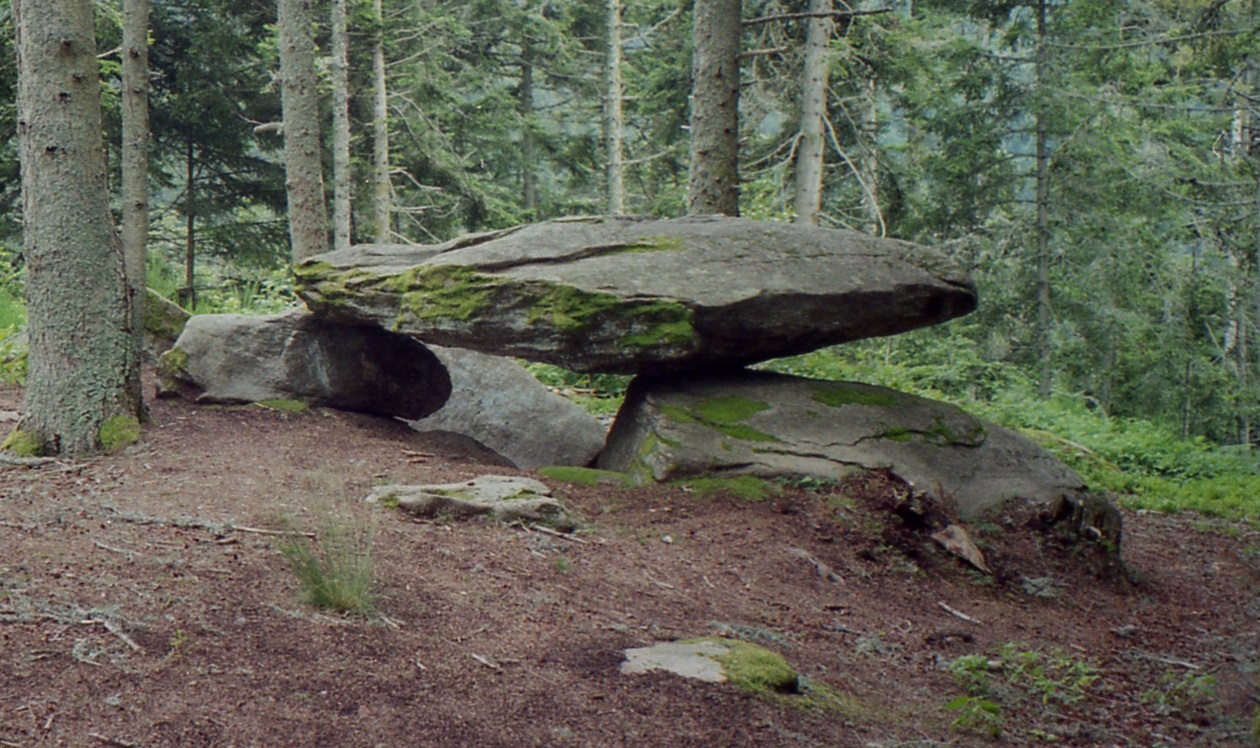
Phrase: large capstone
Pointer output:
(634, 295)
(769, 424)
(233, 358)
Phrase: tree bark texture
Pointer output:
(84, 364)
(713, 182)
(135, 153)
(814, 79)
(529, 142)
(341, 126)
(381, 192)
(1046, 372)
(614, 121)
(304, 180)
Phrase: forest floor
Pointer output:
(145, 601)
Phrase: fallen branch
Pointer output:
(1167, 660)
(488, 663)
(117, 631)
(824, 571)
(958, 613)
(113, 741)
(555, 533)
(262, 531)
(15, 461)
(112, 549)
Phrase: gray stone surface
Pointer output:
(776, 425)
(499, 404)
(693, 660)
(232, 358)
(503, 497)
(643, 295)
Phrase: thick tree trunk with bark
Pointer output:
(614, 120)
(341, 126)
(304, 179)
(83, 380)
(135, 153)
(814, 79)
(381, 193)
(713, 183)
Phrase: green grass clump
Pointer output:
(334, 568)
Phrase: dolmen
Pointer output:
(688, 305)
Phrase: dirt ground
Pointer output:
(145, 602)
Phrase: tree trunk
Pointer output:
(529, 148)
(135, 154)
(304, 180)
(341, 126)
(814, 80)
(869, 161)
(713, 182)
(614, 121)
(1046, 371)
(381, 201)
(83, 390)
(188, 295)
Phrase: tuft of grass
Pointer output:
(335, 568)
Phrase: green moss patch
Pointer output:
(723, 414)
(754, 669)
(939, 433)
(838, 395)
(173, 363)
(118, 432)
(652, 244)
(582, 476)
(22, 443)
(434, 292)
(285, 406)
(747, 487)
(731, 409)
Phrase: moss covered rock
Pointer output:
(635, 295)
(750, 667)
(233, 358)
(764, 424)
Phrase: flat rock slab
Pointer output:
(234, 358)
(501, 497)
(497, 402)
(635, 295)
(716, 660)
(770, 424)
